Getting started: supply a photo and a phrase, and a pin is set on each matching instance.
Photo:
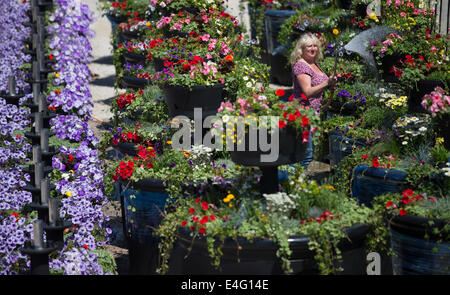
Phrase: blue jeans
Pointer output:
(309, 153)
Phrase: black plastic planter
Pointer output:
(142, 205)
(134, 82)
(127, 148)
(259, 257)
(369, 182)
(416, 94)
(273, 20)
(443, 129)
(134, 58)
(182, 101)
(129, 35)
(340, 147)
(291, 150)
(414, 254)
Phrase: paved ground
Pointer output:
(102, 91)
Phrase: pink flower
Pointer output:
(388, 2)
(433, 48)
(387, 42)
(403, 14)
(205, 37)
(383, 49)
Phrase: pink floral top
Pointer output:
(303, 68)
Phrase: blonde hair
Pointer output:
(305, 40)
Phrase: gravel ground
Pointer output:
(102, 90)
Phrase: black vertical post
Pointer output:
(48, 220)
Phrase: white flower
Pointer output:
(404, 142)
(423, 129)
(249, 84)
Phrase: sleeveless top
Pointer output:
(303, 68)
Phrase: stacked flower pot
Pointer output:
(47, 186)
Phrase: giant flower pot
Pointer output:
(414, 254)
(182, 101)
(369, 182)
(416, 94)
(142, 205)
(243, 257)
(341, 146)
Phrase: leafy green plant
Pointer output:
(322, 214)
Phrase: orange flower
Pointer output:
(229, 58)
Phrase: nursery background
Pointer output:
(91, 94)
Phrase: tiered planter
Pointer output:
(259, 257)
(413, 253)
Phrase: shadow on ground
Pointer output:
(107, 81)
(105, 60)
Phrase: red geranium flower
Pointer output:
(192, 210)
(305, 121)
(281, 124)
(375, 162)
(303, 96)
(202, 230)
(365, 156)
(205, 205)
(408, 192)
(183, 223)
(402, 212)
(389, 204)
(280, 92)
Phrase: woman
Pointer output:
(309, 80)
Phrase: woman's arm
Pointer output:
(304, 81)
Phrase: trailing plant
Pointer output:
(304, 209)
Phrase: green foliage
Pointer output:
(106, 260)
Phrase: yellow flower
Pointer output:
(69, 194)
(230, 196)
(335, 32)
(440, 140)
(373, 16)
(57, 75)
(169, 142)
(148, 24)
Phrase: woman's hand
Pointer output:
(332, 81)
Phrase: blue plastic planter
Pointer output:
(369, 182)
(415, 255)
(142, 208)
